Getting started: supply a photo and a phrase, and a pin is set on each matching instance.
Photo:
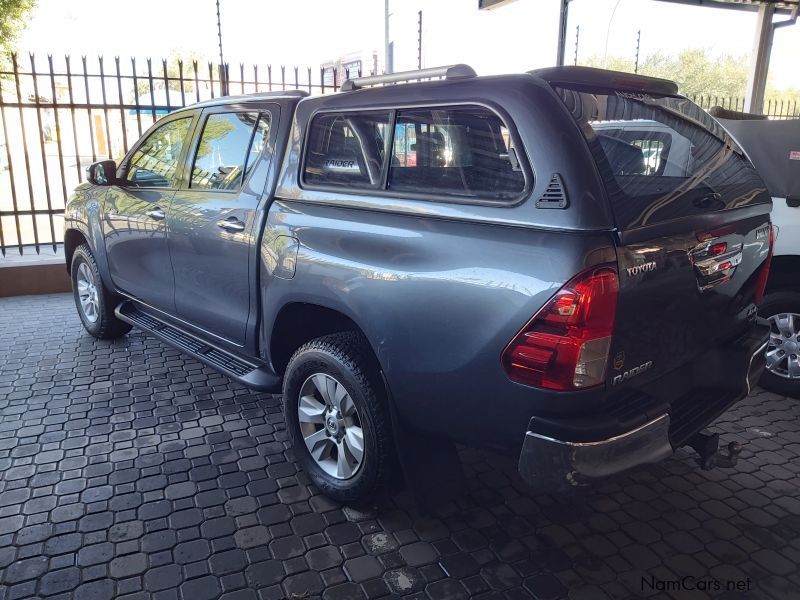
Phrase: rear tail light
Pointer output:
(763, 275)
(565, 346)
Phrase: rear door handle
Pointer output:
(156, 214)
(231, 224)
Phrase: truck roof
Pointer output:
(244, 98)
(455, 74)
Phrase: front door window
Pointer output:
(154, 164)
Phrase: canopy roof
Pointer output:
(781, 6)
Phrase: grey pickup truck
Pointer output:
(495, 261)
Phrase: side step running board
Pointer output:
(253, 375)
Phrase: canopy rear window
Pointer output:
(661, 157)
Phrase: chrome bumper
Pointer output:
(554, 465)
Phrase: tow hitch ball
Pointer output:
(709, 456)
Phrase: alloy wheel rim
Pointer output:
(87, 293)
(331, 426)
(783, 349)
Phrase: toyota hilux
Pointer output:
(493, 261)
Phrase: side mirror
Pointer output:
(103, 172)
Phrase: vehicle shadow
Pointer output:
(716, 533)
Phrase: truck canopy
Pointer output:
(661, 157)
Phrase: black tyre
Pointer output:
(94, 302)
(337, 416)
(782, 309)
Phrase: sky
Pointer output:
(518, 36)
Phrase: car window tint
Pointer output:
(155, 162)
(225, 148)
(460, 151)
(346, 149)
(661, 157)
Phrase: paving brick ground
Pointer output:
(129, 470)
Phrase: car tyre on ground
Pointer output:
(94, 302)
(337, 416)
(782, 309)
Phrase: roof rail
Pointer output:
(459, 71)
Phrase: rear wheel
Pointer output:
(337, 417)
(94, 302)
(782, 310)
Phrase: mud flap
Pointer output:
(430, 464)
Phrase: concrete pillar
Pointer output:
(759, 60)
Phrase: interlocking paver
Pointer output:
(129, 470)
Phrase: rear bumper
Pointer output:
(557, 465)
(559, 455)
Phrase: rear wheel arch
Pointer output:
(298, 323)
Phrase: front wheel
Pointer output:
(94, 302)
(782, 310)
(337, 416)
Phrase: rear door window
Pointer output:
(458, 151)
(347, 149)
(661, 157)
(228, 147)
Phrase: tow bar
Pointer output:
(709, 456)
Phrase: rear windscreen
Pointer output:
(661, 157)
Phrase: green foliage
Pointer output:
(697, 72)
(212, 132)
(13, 15)
(175, 63)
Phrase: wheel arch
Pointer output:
(299, 322)
(72, 239)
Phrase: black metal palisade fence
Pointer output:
(57, 118)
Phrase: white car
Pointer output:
(665, 152)
(774, 148)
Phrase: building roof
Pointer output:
(781, 6)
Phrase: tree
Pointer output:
(695, 70)
(699, 73)
(13, 15)
(176, 61)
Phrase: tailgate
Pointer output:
(693, 227)
(685, 295)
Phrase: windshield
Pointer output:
(661, 157)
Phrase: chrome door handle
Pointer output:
(231, 224)
(156, 214)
